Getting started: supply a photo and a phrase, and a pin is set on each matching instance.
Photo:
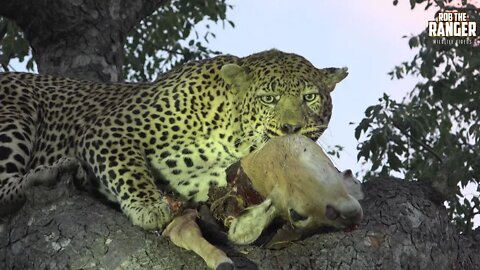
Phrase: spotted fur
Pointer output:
(139, 142)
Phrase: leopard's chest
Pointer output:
(191, 168)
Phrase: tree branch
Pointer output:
(63, 228)
(82, 39)
(417, 141)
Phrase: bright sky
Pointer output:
(365, 36)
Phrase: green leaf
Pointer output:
(362, 127)
(412, 4)
(394, 161)
(413, 42)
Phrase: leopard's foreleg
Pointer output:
(124, 177)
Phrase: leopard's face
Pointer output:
(278, 105)
(282, 94)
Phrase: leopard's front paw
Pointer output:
(48, 175)
(247, 227)
(153, 215)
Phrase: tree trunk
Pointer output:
(62, 228)
(78, 38)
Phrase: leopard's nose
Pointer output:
(291, 129)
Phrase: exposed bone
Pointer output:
(184, 232)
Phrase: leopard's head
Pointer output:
(281, 93)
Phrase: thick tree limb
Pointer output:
(74, 38)
(403, 229)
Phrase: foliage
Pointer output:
(168, 37)
(334, 151)
(433, 134)
(12, 45)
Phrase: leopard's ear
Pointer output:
(235, 75)
(331, 76)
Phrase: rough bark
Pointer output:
(62, 228)
(78, 38)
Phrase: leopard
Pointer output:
(151, 147)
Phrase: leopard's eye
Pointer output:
(267, 99)
(310, 97)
